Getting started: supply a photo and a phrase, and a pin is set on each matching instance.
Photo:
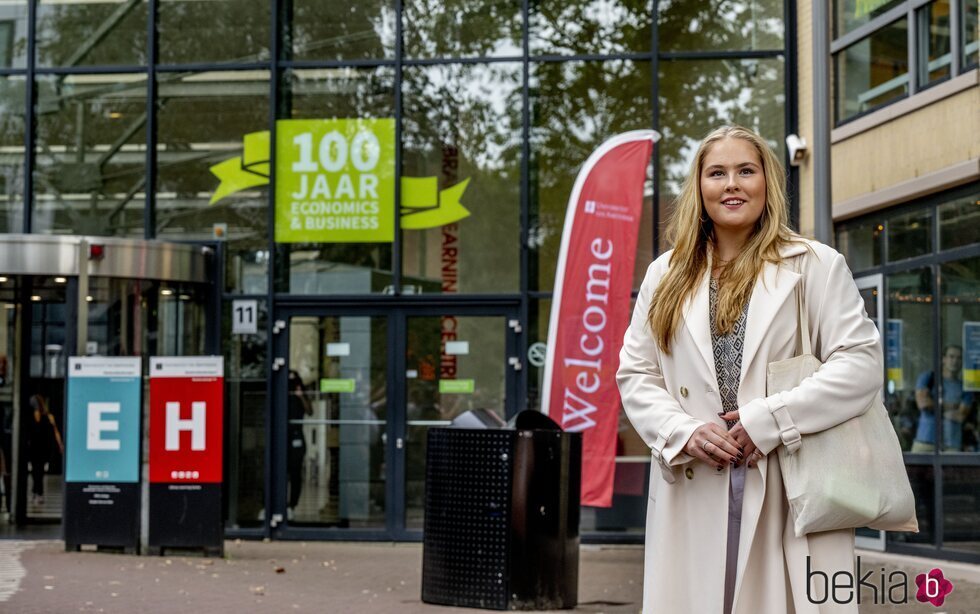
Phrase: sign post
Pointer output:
(102, 453)
(186, 433)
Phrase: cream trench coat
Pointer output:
(668, 396)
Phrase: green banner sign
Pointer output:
(336, 385)
(456, 386)
(335, 182)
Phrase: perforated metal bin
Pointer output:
(502, 516)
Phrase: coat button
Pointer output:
(689, 473)
(683, 392)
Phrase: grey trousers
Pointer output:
(736, 487)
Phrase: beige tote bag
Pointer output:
(848, 476)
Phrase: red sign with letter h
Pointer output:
(186, 429)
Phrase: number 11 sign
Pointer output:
(244, 317)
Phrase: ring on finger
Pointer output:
(704, 446)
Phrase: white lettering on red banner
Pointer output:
(196, 425)
(591, 305)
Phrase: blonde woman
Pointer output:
(711, 315)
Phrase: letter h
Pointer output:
(196, 425)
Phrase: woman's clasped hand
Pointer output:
(714, 446)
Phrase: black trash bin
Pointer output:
(502, 515)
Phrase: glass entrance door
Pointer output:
(453, 364)
(334, 415)
(356, 392)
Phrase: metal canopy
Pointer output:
(22, 254)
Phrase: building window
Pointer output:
(852, 14)
(874, 71)
(877, 60)
(970, 33)
(933, 31)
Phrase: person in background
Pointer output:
(956, 405)
(298, 408)
(42, 438)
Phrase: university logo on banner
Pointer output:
(591, 305)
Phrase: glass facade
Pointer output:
(927, 255)
(163, 119)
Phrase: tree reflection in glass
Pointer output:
(91, 156)
(201, 120)
(575, 106)
(708, 25)
(461, 28)
(13, 34)
(590, 26)
(462, 123)
(192, 31)
(11, 153)
(91, 33)
(361, 30)
(697, 96)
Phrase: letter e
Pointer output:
(598, 252)
(97, 426)
(849, 586)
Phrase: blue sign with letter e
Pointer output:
(103, 422)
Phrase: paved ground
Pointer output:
(324, 577)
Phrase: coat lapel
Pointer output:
(771, 290)
(697, 320)
(774, 286)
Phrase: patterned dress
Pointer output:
(727, 351)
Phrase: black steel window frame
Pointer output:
(277, 64)
(934, 260)
(907, 10)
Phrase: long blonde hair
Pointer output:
(691, 232)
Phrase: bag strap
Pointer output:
(802, 318)
(789, 434)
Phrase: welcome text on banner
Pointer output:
(591, 305)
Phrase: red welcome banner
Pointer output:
(591, 305)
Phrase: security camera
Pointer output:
(797, 149)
